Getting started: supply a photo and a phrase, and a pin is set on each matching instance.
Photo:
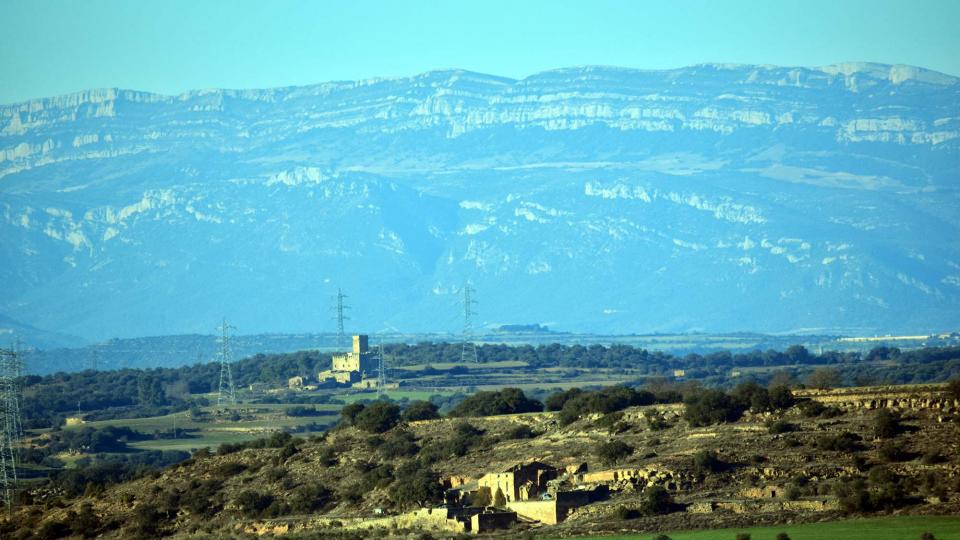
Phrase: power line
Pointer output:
(469, 350)
(226, 393)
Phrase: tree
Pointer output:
(556, 401)
(824, 378)
(656, 501)
(505, 401)
(417, 484)
(711, 407)
(886, 424)
(781, 398)
(420, 410)
(378, 417)
(349, 412)
(613, 451)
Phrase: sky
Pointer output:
(54, 47)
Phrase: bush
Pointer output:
(656, 501)
(779, 426)
(350, 412)
(743, 536)
(399, 444)
(886, 424)
(604, 401)
(927, 536)
(824, 378)
(661, 537)
(416, 484)
(420, 410)
(378, 417)
(624, 513)
(252, 504)
(705, 462)
(506, 401)
(781, 398)
(891, 452)
(613, 451)
(556, 401)
(783, 536)
(310, 498)
(519, 432)
(711, 407)
(844, 442)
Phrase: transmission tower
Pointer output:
(469, 350)
(381, 371)
(340, 308)
(226, 393)
(11, 429)
(94, 357)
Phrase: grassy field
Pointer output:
(393, 394)
(890, 528)
(216, 431)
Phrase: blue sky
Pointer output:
(54, 47)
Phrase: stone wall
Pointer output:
(932, 396)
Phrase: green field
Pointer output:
(216, 431)
(393, 394)
(891, 528)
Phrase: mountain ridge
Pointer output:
(716, 194)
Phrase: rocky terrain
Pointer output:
(808, 462)
(730, 197)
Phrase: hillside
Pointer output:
(780, 198)
(842, 453)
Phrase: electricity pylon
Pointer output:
(469, 350)
(340, 308)
(226, 393)
(11, 429)
(381, 371)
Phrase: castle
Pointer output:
(351, 367)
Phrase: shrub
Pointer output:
(779, 426)
(555, 402)
(416, 484)
(656, 501)
(624, 513)
(781, 398)
(783, 536)
(519, 432)
(252, 504)
(705, 462)
(378, 417)
(604, 401)
(710, 407)
(310, 498)
(228, 469)
(661, 537)
(505, 401)
(750, 395)
(613, 451)
(844, 442)
(743, 536)
(891, 452)
(932, 458)
(927, 536)
(350, 412)
(886, 424)
(399, 444)
(420, 410)
(824, 378)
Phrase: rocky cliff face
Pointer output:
(711, 198)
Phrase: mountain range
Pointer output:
(594, 199)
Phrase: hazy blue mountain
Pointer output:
(714, 197)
